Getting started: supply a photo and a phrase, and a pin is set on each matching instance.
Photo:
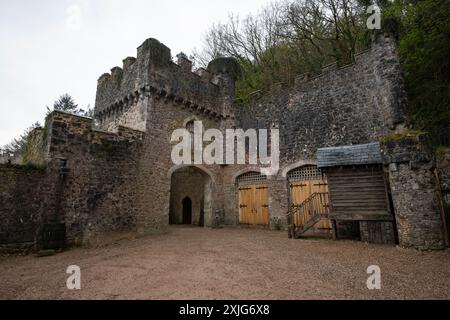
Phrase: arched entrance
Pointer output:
(190, 196)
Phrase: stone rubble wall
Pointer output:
(97, 192)
(415, 192)
(349, 105)
(443, 171)
(21, 207)
(153, 183)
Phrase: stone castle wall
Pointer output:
(443, 171)
(21, 206)
(114, 173)
(354, 104)
(153, 185)
(100, 167)
(415, 192)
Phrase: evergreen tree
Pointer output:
(17, 145)
(65, 103)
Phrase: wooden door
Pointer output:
(254, 205)
(301, 190)
(245, 204)
(262, 204)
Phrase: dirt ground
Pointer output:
(194, 263)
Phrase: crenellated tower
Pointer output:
(123, 95)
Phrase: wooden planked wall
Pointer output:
(358, 193)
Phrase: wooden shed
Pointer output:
(359, 199)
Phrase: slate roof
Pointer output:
(349, 155)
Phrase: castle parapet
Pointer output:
(153, 73)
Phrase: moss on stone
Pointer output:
(442, 150)
(33, 152)
(402, 135)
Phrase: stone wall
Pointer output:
(133, 115)
(443, 171)
(100, 168)
(354, 104)
(415, 192)
(21, 206)
(154, 92)
(153, 184)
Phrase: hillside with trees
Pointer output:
(288, 38)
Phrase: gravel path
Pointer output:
(194, 263)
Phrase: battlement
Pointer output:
(63, 127)
(153, 72)
(383, 48)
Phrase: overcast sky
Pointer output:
(50, 47)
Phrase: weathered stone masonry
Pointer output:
(114, 173)
(415, 192)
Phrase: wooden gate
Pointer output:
(253, 199)
(304, 183)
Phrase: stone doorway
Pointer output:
(187, 211)
(190, 197)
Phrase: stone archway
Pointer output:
(190, 186)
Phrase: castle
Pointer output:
(346, 169)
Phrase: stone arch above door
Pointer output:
(195, 183)
(200, 167)
(298, 164)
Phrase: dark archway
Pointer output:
(201, 222)
(195, 184)
(187, 210)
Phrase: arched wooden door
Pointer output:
(253, 199)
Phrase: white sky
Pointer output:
(50, 47)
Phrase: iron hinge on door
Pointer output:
(298, 185)
(320, 184)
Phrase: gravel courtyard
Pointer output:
(194, 263)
